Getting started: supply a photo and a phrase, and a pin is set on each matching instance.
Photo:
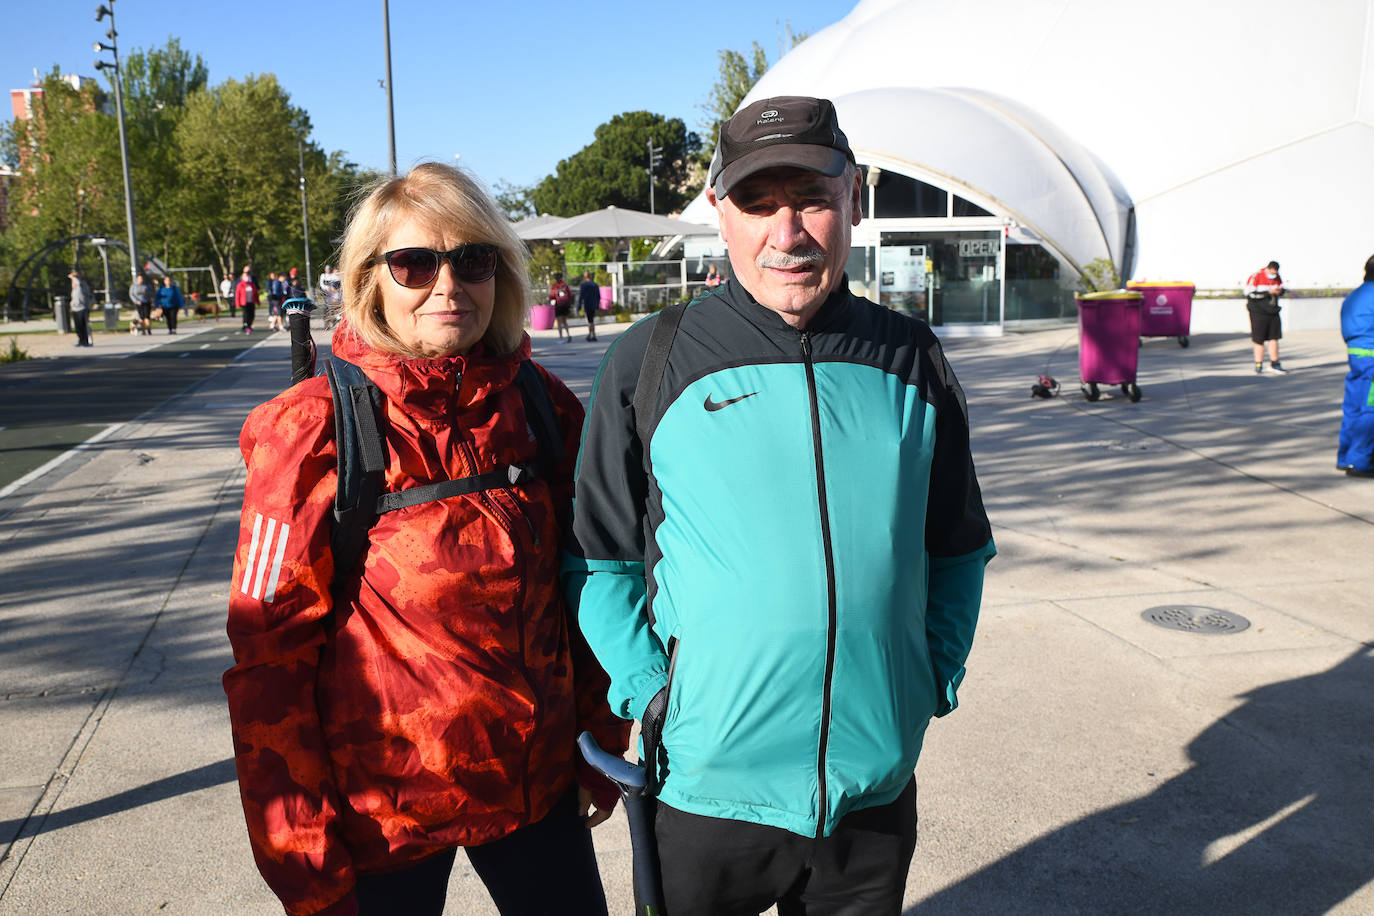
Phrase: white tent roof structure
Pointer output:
(1242, 132)
(607, 223)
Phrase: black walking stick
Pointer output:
(639, 810)
(298, 312)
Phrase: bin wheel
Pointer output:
(1090, 391)
(1183, 341)
(1132, 391)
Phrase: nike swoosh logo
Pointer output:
(717, 405)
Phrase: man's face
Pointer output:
(1270, 272)
(788, 232)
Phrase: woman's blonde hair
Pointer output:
(449, 202)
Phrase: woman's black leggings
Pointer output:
(547, 867)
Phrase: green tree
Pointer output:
(238, 145)
(739, 71)
(516, 201)
(738, 74)
(612, 170)
(156, 84)
(68, 154)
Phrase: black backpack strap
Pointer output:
(510, 476)
(651, 369)
(361, 461)
(540, 417)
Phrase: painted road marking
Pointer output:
(40, 471)
(204, 346)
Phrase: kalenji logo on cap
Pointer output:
(770, 113)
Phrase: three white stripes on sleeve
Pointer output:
(255, 569)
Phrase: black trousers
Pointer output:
(719, 867)
(170, 316)
(248, 310)
(547, 867)
(81, 324)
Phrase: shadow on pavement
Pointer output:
(205, 777)
(1275, 815)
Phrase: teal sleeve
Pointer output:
(956, 592)
(612, 611)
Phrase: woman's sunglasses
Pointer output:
(414, 268)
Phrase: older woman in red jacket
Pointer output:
(428, 697)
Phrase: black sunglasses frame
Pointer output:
(454, 256)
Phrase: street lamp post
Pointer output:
(305, 220)
(107, 9)
(655, 157)
(390, 111)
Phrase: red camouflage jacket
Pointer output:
(438, 705)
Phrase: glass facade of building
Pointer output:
(926, 250)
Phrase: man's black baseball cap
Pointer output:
(785, 130)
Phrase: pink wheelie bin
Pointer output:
(1109, 341)
(1166, 309)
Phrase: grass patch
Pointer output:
(13, 353)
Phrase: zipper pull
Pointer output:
(806, 344)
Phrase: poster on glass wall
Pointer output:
(902, 278)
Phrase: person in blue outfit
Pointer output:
(589, 301)
(170, 301)
(1355, 454)
(778, 548)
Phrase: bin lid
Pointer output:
(1150, 284)
(1111, 294)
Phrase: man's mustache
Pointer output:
(789, 259)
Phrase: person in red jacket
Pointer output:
(1262, 292)
(429, 697)
(246, 297)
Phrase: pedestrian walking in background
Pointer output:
(226, 293)
(589, 300)
(276, 293)
(428, 695)
(560, 297)
(293, 285)
(330, 287)
(141, 295)
(1355, 453)
(1262, 292)
(80, 308)
(778, 545)
(170, 301)
(246, 297)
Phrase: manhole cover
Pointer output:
(1190, 618)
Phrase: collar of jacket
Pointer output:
(432, 387)
(833, 312)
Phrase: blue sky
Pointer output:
(511, 87)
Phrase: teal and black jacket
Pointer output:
(797, 553)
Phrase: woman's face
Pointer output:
(444, 318)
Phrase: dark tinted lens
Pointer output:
(413, 267)
(474, 263)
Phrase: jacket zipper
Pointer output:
(503, 518)
(674, 646)
(829, 578)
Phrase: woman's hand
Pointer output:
(585, 804)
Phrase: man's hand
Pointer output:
(585, 803)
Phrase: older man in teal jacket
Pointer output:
(779, 554)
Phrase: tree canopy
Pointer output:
(215, 169)
(613, 169)
(739, 71)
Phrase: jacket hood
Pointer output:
(432, 387)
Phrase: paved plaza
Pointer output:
(1098, 763)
